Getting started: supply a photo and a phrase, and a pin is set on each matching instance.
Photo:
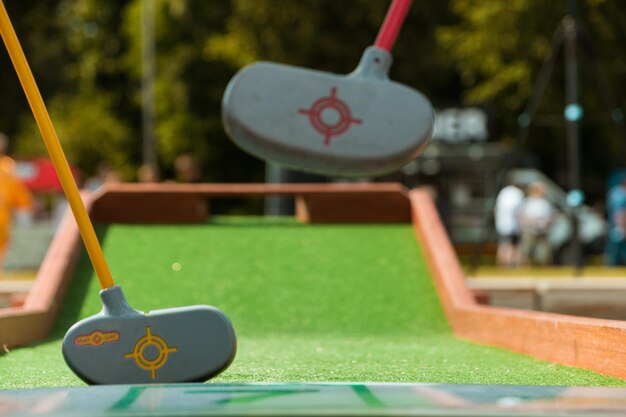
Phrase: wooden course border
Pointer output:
(595, 344)
(33, 321)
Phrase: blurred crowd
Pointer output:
(530, 226)
(522, 221)
(24, 208)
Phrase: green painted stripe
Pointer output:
(127, 400)
(250, 399)
(368, 397)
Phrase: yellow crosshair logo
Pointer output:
(139, 353)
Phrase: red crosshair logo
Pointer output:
(330, 116)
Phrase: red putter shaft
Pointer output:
(393, 23)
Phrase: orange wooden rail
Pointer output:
(596, 344)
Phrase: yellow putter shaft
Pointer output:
(54, 149)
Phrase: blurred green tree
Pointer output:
(45, 49)
(330, 36)
(78, 70)
(189, 86)
(95, 102)
(499, 48)
(86, 55)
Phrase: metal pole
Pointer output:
(148, 71)
(573, 113)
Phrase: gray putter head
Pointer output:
(121, 345)
(360, 124)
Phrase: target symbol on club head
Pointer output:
(150, 352)
(330, 116)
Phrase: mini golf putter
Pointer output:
(122, 345)
(360, 124)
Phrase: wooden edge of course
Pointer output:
(595, 344)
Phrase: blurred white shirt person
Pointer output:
(536, 216)
(506, 212)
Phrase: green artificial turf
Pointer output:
(309, 303)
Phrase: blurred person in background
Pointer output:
(16, 202)
(506, 213)
(104, 175)
(187, 168)
(616, 208)
(535, 216)
(147, 174)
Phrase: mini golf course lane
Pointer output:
(309, 303)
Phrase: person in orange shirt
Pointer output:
(15, 199)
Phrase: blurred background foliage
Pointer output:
(86, 56)
(498, 49)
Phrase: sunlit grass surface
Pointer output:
(309, 303)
